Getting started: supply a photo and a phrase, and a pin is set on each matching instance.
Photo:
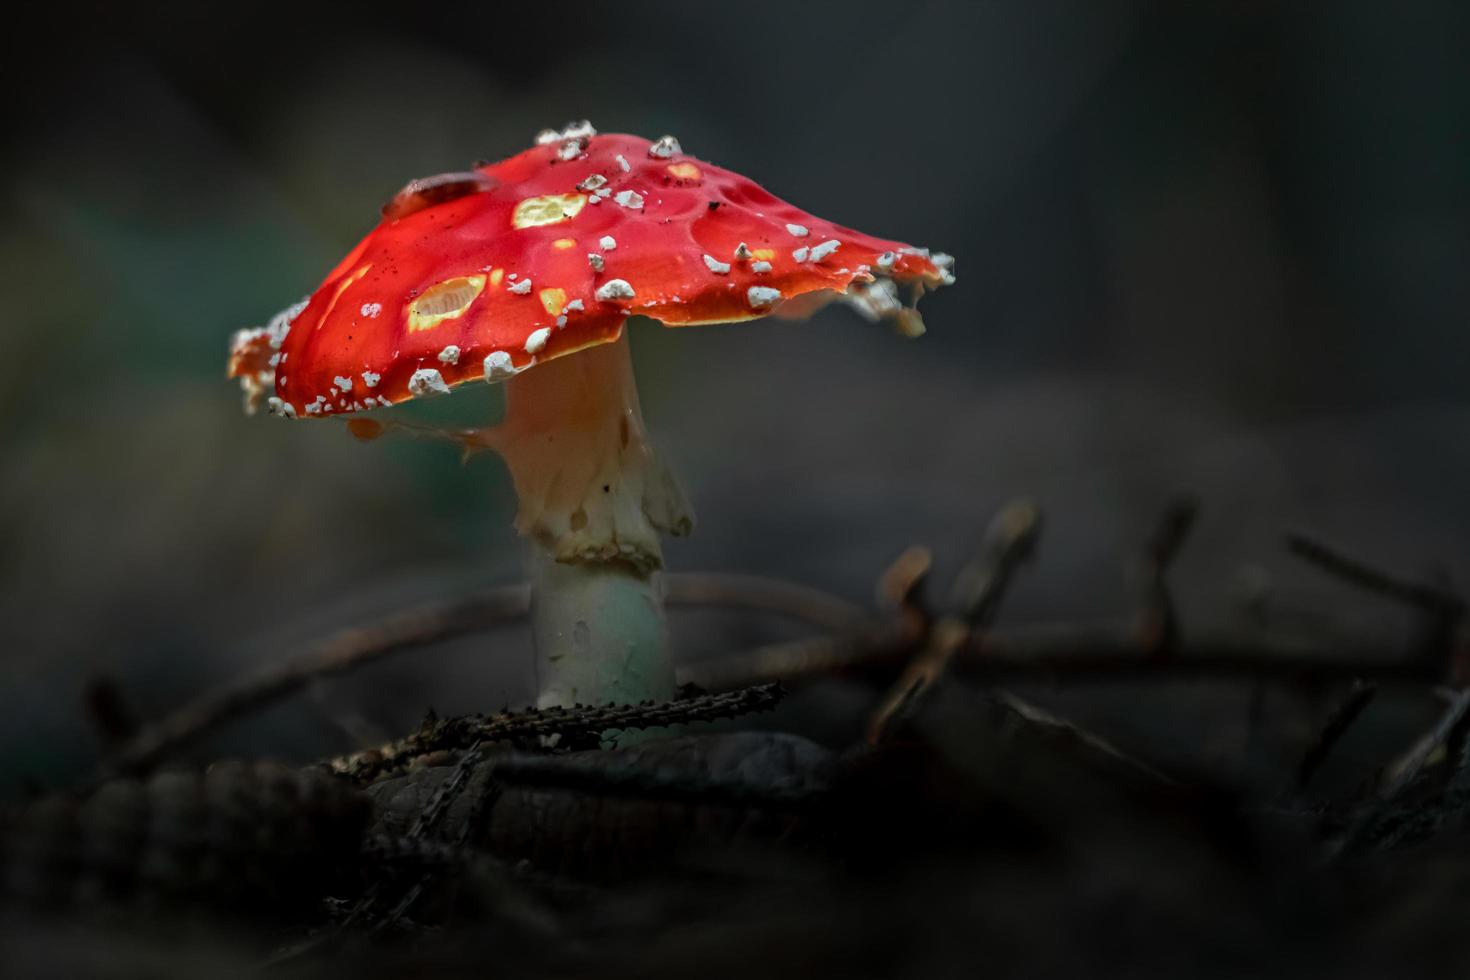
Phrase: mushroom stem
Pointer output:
(593, 499)
(598, 630)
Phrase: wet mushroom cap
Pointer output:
(481, 274)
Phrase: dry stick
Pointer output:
(459, 733)
(1400, 776)
(435, 622)
(1063, 653)
(1366, 576)
(427, 820)
(790, 599)
(1403, 772)
(1009, 540)
(1338, 722)
(349, 649)
(1157, 624)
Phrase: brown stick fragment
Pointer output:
(436, 622)
(1403, 772)
(346, 650)
(1338, 722)
(979, 590)
(460, 733)
(1373, 579)
(1157, 624)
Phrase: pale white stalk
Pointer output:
(594, 499)
(599, 632)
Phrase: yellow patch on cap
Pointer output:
(496, 275)
(764, 254)
(548, 209)
(447, 300)
(685, 170)
(564, 243)
(342, 288)
(554, 300)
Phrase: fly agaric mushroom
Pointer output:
(537, 262)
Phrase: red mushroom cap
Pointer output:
(478, 275)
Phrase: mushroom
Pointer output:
(523, 272)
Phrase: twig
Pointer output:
(1157, 626)
(1366, 576)
(1367, 824)
(1071, 653)
(346, 650)
(978, 593)
(1403, 772)
(790, 599)
(428, 820)
(1338, 722)
(1042, 720)
(459, 733)
(902, 586)
(433, 623)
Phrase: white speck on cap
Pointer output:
(664, 147)
(344, 383)
(760, 296)
(614, 289)
(629, 199)
(537, 340)
(801, 254)
(885, 261)
(622, 162)
(760, 267)
(607, 243)
(521, 288)
(742, 252)
(371, 378)
(498, 365)
(575, 304)
(800, 231)
(371, 310)
(450, 354)
(427, 381)
(820, 252)
(716, 266)
(595, 260)
(561, 321)
(591, 182)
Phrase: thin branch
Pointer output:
(979, 590)
(1064, 653)
(1359, 696)
(436, 622)
(756, 592)
(460, 733)
(1371, 578)
(347, 650)
(1406, 769)
(1157, 624)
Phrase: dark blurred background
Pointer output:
(1218, 247)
